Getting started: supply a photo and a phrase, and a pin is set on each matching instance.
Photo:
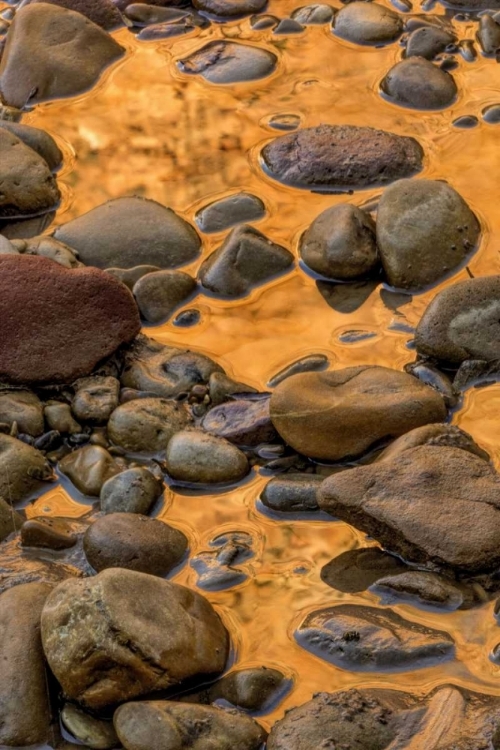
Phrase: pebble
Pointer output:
(49, 533)
(242, 422)
(491, 114)
(253, 689)
(230, 8)
(187, 318)
(416, 586)
(22, 469)
(418, 83)
(466, 122)
(89, 467)
(309, 363)
(38, 140)
(129, 276)
(95, 398)
(23, 408)
(263, 21)
(225, 62)
(488, 35)
(147, 424)
(132, 491)
(292, 493)
(60, 418)
(284, 122)
(160, 293)
(356, 570)
(142, 14)
(314, 14)
(89, 731)
(10, 520)
(170, 29)
(222, 388)
(104, 13)
(367, 23)
(428, 41)
(288, 26)
(226, 212)
(199, 458)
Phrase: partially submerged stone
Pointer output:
(90, 731)
(252, 689)
(225, 62)
(23, 408)
(416, 82)
(428, 41)
(22, 469)
(88, 468)
(418, 586)
(292, 493)
(104, 13)
(38, 140)
(131, 491)
(230, 8)
(196, 457)
(242, 422)
(160, 293)
(226, 212)
(147, 424)
(367, 23)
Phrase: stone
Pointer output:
(438, 435)
(142, 14)
(147, 424)
(24, 408)
(242, 422)
(418, 505)
(288, 26)
(160, 293)
(220, 567)
(60, 418)
(310, 15)
(252, 689)
(38, 140)
(194, 456)
(338, 157)
(68, 53)
(357, 569)
(50, 248)
(25, 713)
(146, 634)
(184, 25)
(129, 276)
(124, 4)
(10, 521)
(292, 493)
(489, 35)
(246, 259)
(48, 533)
(104, 13)
(22, 469)
(57, 324)
(230, 8)
(336, 414)
(340, 243)
(6, 247)
(229, 62)
(166, 725)
(309, 363)
(418, 586)
(364, 638)
(428, 41)
(135, 542)
(89, 467)
(127, 232)
(367, 23)
(222, 388)
(462, 322)
(224, 213)
(28, 186)
(425, 230)
(91, 732)
(132, 491)
(95, 398)
(428, 373)
(415, 82)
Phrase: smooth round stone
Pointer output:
(51, 533)
(227, 212)
(169, 29)
(284, 122)
(229, 62)
(427, 42)
(147, 424)
(292, 493)
(466, 122)
(22, 469)
(491, 114)
(314, 14)
(93, 733)
(131, 491)
(367, 23)
(252, 689)
(89, 467)
(264, 21)
(38, 140)
(309, 363)
(60, 418)
(158, 294)
(187, 318)
(48, 247)
(489, 34)
(134, 542)
(199, 458)
(142, 14)
(129, 276)
(229, 8)
(417, 83)
(95, 398)
(24, 408)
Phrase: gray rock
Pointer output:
(288, 26)
(428, 41)
(221, 566)
(160, 293)
(7, 247)
(489, 34)
(250, 689)
(425, 230)
(22, 469)
(147, 424)
(314, 14)
(428, 589)
(10, 521)
(96, 397)
(221, 388)
(104, 13)
(226, 212)
(196, 457)
(48, 247)
(146, 634)
(142, 14)
(60, 418)
(242, 422)
(357, 569)
(89, 467)
(129, 276)
(309, 363)
(367, 23)
(91, 732)
(246, 259)
(24, 408)
(340, 243)
(292, 493)
(418, 83)
(429, 374)
(38, 140)
(132, 491)
(229, 62)
(184, 25)
(68, 53)
(230, 8)
(127, 232)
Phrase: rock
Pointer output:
(48, 533)
(220, 567)
(428, 41)
(129, 276)
(340, 243)
(309, 363)
(38, 140)
(10, 521)
(147, 424)
(92, 732)
(142, 14)
(187, 318)
(314, 14)
(429, 374)
(166, 724)
(367, 23)
(45, 309)
(131, 491)
(28, 186)
(226, 212)
(364, 638)
(185, 25)
(95, 398)
(416, 82)
(6, 247)
(246, 259)
(160, 293)
(22, 469)
(68, 53)
(127, 232)
(25, 713)
(292, 493)
(229, 62)
(222, 388)
(251, 689)
(242, 422)
(418, 505)
(104, 13)
(50, 248)
(447, 435)
(357, 569)
(89, 467)
(315, 414)
(428, 589)
(230, 8)
(195, 457)
(489, 35)
(135, 542)
(60, 418)
(146, 634)
(288, 26)
(462, 322)
(341, 156)
(425, 230)
(24, 408)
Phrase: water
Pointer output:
(149, 130)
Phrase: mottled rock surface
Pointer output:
(36, 139)
(147, 424)
(229, 62)
(197, 457)
(367, 23)
(416, 82)
(22, 469)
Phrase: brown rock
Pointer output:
(88, 468)
(243, 422)
(147, 424)
(56, 324)
(104, 13)
(50, 533)
(38, 140)
(22, 469)
(9, 520)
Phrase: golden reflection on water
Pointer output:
(149, 130)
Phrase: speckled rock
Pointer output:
(104, 13)
(418, 83)
(428, 41)
(147, 424)
(242, 422)
(95, 398)
(160, 293)
(229, 62)
(131, 491)
(194, 456)
(367, 23)
(38, 140)
(89, 467)
(24, 408)
(226, 212)
(22, 469)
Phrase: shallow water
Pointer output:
(147, 129)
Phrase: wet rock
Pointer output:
(129, 276)
(160, 293)
(20, 228)
(288, 26)
(147, 424)
(438, 380)
(357, 569)
(46, 309)
(242, 422)
(184, 25)
(50, 248)
(416, 82)
(425, 230)
(25, 713)
(196, 457)
(135, 542)
(315, 414)
(309, 363)
(367, 23)
(368, 639)
(89, 467)
(263, 21)
(428, 41)
(60, 418)
(24, 408)
(229, 62)
(142, 14)
(68, 53)
(50, 533)
(131, 491)
(314, 14)
(418, 505)
(22, 469)
(19, 568)
(38, 140)
(428, 589)
(10, 521)
(95, 398)
(92, 732)
(6, 247)
(230, 8)
(124, 4)
(226, 212)
(220, 568)
(246, 259)
(491, 114)
(248, 689)
(438, 435)
(117, 651)
(462, 322)
(101, 12)
(467, 121)
(222, 388)
(128, 232)
(187, 318)
(341, 156)
(489, 35)
(292, 493)
(145, 724)
(340, 243)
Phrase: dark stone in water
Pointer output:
(226, 212)
(160, 293)
(314, 14)
(428, 41)
(50, 533)
(309, 363)
(491, 114)
(418, 586)
(131, 491)
(418, 83)
(367, 23)
(187, 318)
(22, 469)
(229, 62)
(357, 569)
(38, 140)
(288, 26)
(142, 14)
(249, 689)
(292, 493)
(466, 122)
(230, 8)
(102, 12)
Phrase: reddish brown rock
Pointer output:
(56, 324)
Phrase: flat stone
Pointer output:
(24, 408)
(315, 14)
(229, 62)
(252, 689)
(49, 533)
(428, 41)
(95, 398)
(367, 23)
(93, 733)
(230, 8)
(104, 13)
(356, 570)
(131, 491)
(127, 232)
(418, 586)
(194, 456)
(89, 467)
(226, 212)
(22, 469)
(334, 157)
(38, 140)
(292, 493)
(242, 422)
(147, 424)
(416, 82)
(58, 324)
(10, 521)
(160, 293)
(68, 53)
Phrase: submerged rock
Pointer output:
(147, 424)
(160, 293)
(38, 140)
(367, 23)
(229, 62)
(416, 585)
(428, 41)
(248, 689)
(292, 493)
(22, 469)
(48, 533)
(196, 457)
(226, 212)
(416, 82)
(131, 491)
(357, 569)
